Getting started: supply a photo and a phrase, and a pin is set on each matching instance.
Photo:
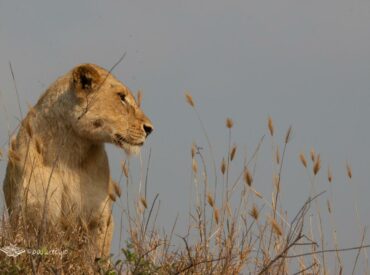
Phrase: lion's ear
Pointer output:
(85, 78)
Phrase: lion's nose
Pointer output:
(148, 129)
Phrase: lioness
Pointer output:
(58, 155)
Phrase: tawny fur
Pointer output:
(58, 155)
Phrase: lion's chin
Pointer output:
(129, 148)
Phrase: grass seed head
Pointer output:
(248, 179)
(330, 174)
(312, 154)
(143, 202)
(216, 215)
(194, 166)
(229, 123)
(303, 159)
(271, 126)
(189, 99)
(210, 200)
(317, 165)
(233, 152)
(254, 213)
(223, 166)
(349, 170)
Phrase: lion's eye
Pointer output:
(122, 97)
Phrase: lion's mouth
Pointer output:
(121, 141)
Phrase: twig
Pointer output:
(171, 235)
(280, 255)
(16, 89)
(88, 104)
(359, 251)
(147, 172)
(150, 213)
(327, 251)
(198, 263)
(304, 270)
(6, 114)
(299, 222)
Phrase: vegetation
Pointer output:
(233, 228)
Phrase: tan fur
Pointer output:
(58, 155)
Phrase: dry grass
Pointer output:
(233, 228)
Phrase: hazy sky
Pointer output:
(304, 62)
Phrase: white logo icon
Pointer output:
(12, 250)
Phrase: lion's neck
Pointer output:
(61, 143)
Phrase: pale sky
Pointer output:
(304, 62)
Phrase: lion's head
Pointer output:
(106, 110)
